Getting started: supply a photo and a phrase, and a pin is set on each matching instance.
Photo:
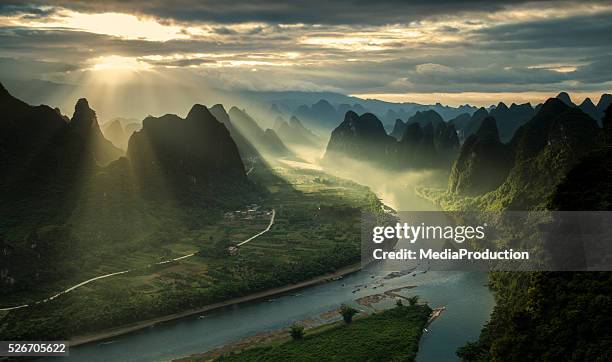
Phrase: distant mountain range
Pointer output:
(295, 133)
(324, 115)
(318, 111)
(426, 140)
(266, 141)
(508, 119)
(119, 130)
(363, 138)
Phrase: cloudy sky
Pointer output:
(427, 51)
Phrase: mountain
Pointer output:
(588, 185)
(37, 146)
(274, 143)
(131, 128)
(85, 123)
(115, 133)
(362, 138)
(594, 111)
(245, 147)
(345, 107)
(510, 119)
(483, 162)
(602, 105)
(119, 131)
(589, 108)
(191, 156)
(321, 113)
(293, 132)
(398, 129)
(421, 117)
(416, 147)
(264, 141)
(540, 154)
(446, 140)
(275, 110)
(551, 315)
(390, 117)
(425, 117)
(461, 121)
(467, 127)
(565, 98)
(40, 149)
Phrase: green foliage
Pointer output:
(547, 316)
(296, 331)
(392, 335)
(347, 313)
(413, 300)
(551, 316)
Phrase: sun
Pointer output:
(115, 69)
(119, 63)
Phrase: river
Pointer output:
(467, 300)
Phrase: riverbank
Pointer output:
(114, 332)
(274, 337)
(392, 334)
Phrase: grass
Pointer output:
(392, 335)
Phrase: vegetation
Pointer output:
(554, 315)
(347, 313)
(110, 228)
(548, 316)
(296, 331)
(392, 335)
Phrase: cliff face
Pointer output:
(85, 123)
(195, 154)
(483, 162)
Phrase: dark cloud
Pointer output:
(281, 12)
(29, 11)
(571, 32)
(481, 53)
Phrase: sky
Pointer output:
(453, 52)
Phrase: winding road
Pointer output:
(76, 286)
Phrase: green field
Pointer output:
(316, 231)
(392, 335)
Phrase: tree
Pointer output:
(413, 300)
(296, 331)
(347, 313)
